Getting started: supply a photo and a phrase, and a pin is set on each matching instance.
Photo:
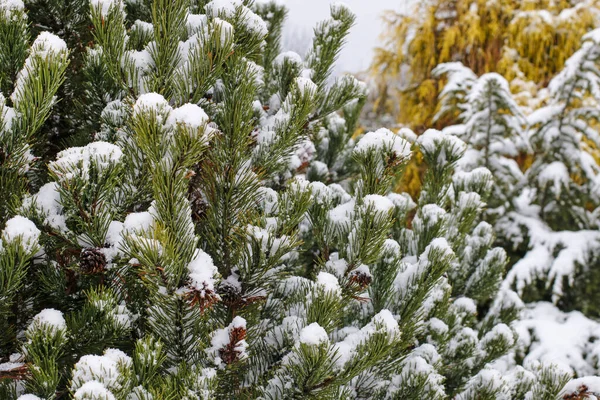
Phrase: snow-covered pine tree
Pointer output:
(224, 236)
(492, 126)
(30, 76)
(552, 231)
(559, 190)
(564, 173)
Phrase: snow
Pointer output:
(329, 283)
(465, 304)
(121, 316)
(387, 320)
(378, 203)
(336, 264)
(7, 7)
(137, 222)
(196, 23)
(552, 336)
(225, 28)
(342, 214)
(493, 382)
(227, 9)
(113, 234)
(101, 373)
(142, 60)
(223, 8)
(269, 243)
(339, 6)
(7, 115)
(383, 140)
(93, 390)
(148, 28)
(592, 383)
(464, 179)
(304, 154)
(75, 162)
(429, 215)
(48, 43)
(8, 366)
(346, 349)
(593, 35)
(12, 4)
(47, 203)
(408, 135)
(499, 331)
(118, 356)
(363, 270)
(555, 173)
(221, 338)
(150, 102)
(28, 397)
(49, 318)
(306, 86)
(202, 271)
(433, 139)
(403, 201)
(550, 253)
(319, 168)
(438, 326)
(47, 47)
(287, 56)
(22, 230)
(313, 335)
(390, 246)
(269, 200)
(188, 114)
(417, 365)
(255, 23)
(105, 6)
(416, 269)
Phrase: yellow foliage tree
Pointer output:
(525, 39)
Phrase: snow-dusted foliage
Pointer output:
(545, 208)
(492, 126)
(223, 231)
(564, 175)
(553, 225)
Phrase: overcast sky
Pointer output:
(357, 54)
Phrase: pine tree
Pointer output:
(32, 74)
(564, 137)
(224, 236)
(552, 230)
(492, 127)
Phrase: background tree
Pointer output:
(526, 41)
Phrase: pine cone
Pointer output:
(229, 293)
(231, 352)
(202, 298)
(360, 280)
(581, 393)
(92, 261)
(199, 206)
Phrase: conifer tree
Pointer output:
(551, 230)
(224, 236)
(30, 77)
(564, 136)
(492, 127)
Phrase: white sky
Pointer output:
(357, 53)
